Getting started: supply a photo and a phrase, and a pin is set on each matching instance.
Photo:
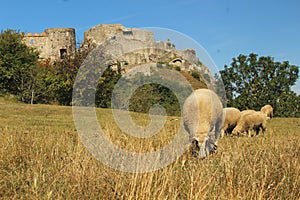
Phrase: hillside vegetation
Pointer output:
(41, 157)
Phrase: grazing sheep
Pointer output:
(251, 121)
(244, 112)
(232, 116)
(268, 110)
(203, 120)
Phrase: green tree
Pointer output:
(60, 77)
(253, 81)
(106, 86)
(150, 94)
(153, 90)
(17, 64)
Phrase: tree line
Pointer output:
(250, 81)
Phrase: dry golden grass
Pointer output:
(41, 157)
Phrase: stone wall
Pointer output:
(98, 34)
(103, 32)
(53, 43)
(129, 47)
(135, 45)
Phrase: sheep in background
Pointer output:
(268, 110)
(232, 116)
(203, 120)
(251, 121)
(244, 112)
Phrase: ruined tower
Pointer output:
(103, 32)
(53, 43)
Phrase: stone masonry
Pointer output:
(53, 43)
(137, 46)
(100, 33)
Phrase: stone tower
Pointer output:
(103, 32)
(53, 43)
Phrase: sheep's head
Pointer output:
(266, 115)
(208, 147)
(236, 131)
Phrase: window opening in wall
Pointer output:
(31, 41)
(127, 33)
(63, 53)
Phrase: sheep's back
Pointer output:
(201, 111)
(232, 115)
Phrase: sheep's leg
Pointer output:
(249, 133)
(263, 128)
(257, 131)
(229, 130)
(238, 131)
(242, 134)
(222, 133)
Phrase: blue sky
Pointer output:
(224, 28)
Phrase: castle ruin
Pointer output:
(53, 43)
(57, 43)
(100, 33)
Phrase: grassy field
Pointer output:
(41, 157)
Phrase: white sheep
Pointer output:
(251, 121)
(203, 120)
(268, 110)
(244, 112)
(232, 116)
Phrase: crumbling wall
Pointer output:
(100, 33)
(103, 32)
(135, 45)
(61, 42)
(38, 41)
(53, 43)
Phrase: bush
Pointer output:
(196, 75)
